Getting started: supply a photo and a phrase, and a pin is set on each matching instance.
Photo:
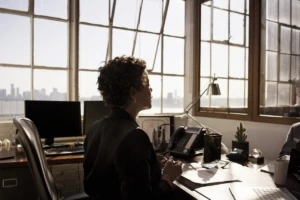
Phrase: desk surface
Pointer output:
(21, 161)
(250, 175)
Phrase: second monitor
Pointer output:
(93, 110)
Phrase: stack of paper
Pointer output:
(201, 177)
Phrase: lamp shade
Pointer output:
(213, 89)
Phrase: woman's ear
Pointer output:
(132, 92)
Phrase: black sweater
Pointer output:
(120, 162)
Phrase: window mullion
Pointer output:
(137, 27)
(31, 11)
(73, 50)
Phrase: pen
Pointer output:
(223, 167)
(231, 193)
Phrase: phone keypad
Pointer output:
(180, 147)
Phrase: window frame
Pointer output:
(254, 65)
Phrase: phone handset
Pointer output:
(176, 137)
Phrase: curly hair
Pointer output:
(117, 77)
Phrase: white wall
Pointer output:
(267, 137)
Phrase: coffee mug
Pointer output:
(281, 166)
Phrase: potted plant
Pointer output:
(240, 142)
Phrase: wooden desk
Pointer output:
(54, 160)
(67, 171)
(21, 161)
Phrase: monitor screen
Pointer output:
(55, 118)
(93, 110)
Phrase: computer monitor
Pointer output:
(54, 118)
(93, 110)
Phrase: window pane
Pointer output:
(14, 89)
(272, 36)
(220, 60)
(284, 74)
(284, 11)
(296, 41)
(272, 10)
(271, 94)
(155, 83)
(204, 100)
(247, 63)
(295, 69)
(145, 48)
(205, 59)
(150, 21)
(205, 22)
(271, 69)
(174, 24)
(50, 43)
(52, 8)
(221, 100)
(220, 25)
(247, 31)
(173, 55)
(45, 88)
(88, 86)
(221, 3)
(94, 11)
(93, 43)
(237, 99)
(122, 42)
(285, 40)
(237, 5)
(15, 39)
(237, 25)
(283, 94)
(127, 13)
(14, 4)
(237, 62)
(173, 92)
(295, 13)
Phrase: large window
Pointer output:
(131, 28)
(280, 64)
(33, 53)
(224, 54)
(52, 49)
(253, 48)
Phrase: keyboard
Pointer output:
(270, 193)
(64, 151)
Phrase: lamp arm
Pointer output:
(194, 101)
(203, 126)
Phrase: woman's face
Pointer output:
(143, 97)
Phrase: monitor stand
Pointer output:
(49, 143)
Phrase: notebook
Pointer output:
(269, 168)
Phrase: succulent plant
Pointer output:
(241, 135)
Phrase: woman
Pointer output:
(120, 162)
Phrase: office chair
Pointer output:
(29, 139)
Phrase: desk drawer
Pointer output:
(16, 184)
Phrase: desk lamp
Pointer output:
(211, 89)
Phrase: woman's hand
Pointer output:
(162, 160)
(172, 170)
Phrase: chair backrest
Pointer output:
(28, 137)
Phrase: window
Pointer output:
(130, 28)
(50, 52)
(280, 64)
(224, 54)
(33, 53)
(264, 87)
